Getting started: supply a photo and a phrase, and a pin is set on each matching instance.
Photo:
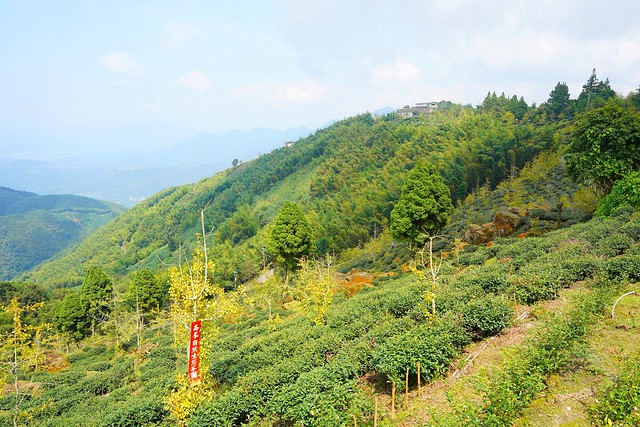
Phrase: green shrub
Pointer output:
(530, 291)
(634, 250)
(576, 269)
(434, 346)
(99, 366)
(486, 316)
(453, 296)
(625, 193)
(319, 397)
(632, 229)
(476, 255)
(149, 411)
(100, 384)
(613, 244)
(7, 402)
(225, 411)
(523, 251)
(493, 282)
(619, 402)
(156, 371)
(622, 267)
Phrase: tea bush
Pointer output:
(613, 244)
(148, 411)
(619, 402)
(433, 345)
(622, 267)
(486, 316)
(531, 290)
(476, 256)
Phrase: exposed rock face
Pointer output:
(504, 223)
(477, 234)
(507, 221)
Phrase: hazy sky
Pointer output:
(112, 68)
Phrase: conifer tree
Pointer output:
(97, 296)
(558, 100)
(594, 93)
(424, 206)
(71, 318)
(290, 237)
(423, 209)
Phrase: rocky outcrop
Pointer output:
(507, 222)
(504, 223)
(478, 234)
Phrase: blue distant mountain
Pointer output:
(126, 177)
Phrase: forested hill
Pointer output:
(35, 228)
(347, 178)
(507, 317)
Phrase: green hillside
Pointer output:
(36, 228)
(295, 371)
(305, 306)
(346, 177)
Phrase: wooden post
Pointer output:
(419, 388)
(393, 400)
(406, 390)
(375, 413)
(355, 422)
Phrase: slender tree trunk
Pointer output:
(14, 370)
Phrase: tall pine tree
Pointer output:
(290, 237)
(424, 206)
(97, 296)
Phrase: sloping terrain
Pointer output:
(558, 291)
(36, 228)
(346, 177)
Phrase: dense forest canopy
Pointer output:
(35, 228)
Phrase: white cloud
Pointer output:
(175, 34)
(195, 80)
(520, 50)
(398, 70)
(121, 62)
(299, 93)
(294, 93)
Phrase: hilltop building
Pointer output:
(420, 108)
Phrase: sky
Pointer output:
(106, 75)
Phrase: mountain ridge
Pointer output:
(128, 177)
(35, 228)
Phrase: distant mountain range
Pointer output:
(128, 177)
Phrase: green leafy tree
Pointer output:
(241, 226)
(195, 297)
(97, 296)
(634, 98)
(558, 100)
(290, 237)
(71, 318)
(16, 351)
(594, 93)
(424, 206)
(604, 146)
(625, 192)
(146, 292)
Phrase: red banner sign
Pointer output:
(194, 351)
